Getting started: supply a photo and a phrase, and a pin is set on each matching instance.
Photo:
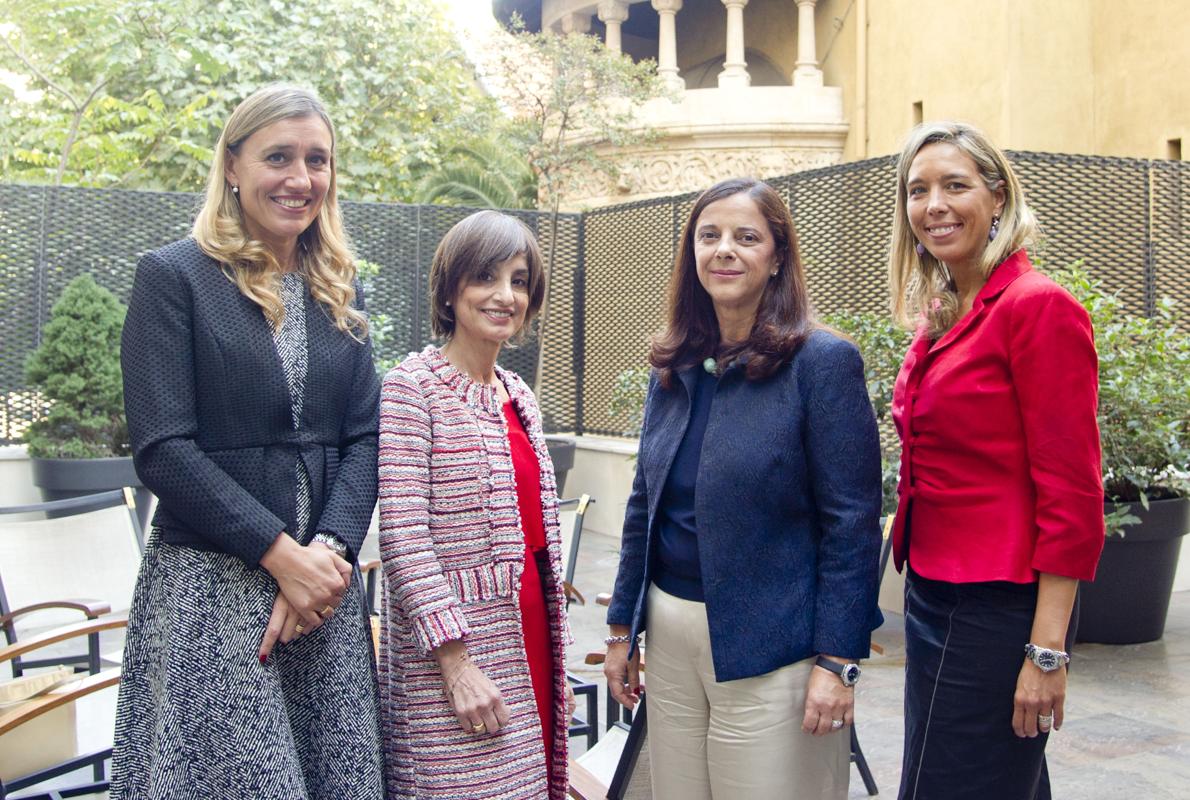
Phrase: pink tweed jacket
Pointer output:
(453, 551)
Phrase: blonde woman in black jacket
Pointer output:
(251, 401)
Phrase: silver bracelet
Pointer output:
(334, 543)
(609, 641)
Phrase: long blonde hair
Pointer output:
(324, 254)
(920, 285)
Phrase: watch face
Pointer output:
(850, 674)
(1047, 660)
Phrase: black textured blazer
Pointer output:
(209, 412)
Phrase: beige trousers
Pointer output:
(736, 740)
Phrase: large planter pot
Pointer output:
(1129, 598)
(60, 478)
(562, 454)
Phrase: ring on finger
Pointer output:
(326, 612)
(299, 628)
(836, 724)
(479, 727)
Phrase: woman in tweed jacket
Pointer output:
(474, 699)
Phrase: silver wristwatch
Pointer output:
(1046, 660)
(848, 673)
(336, 546)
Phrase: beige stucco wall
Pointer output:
(1075, 76)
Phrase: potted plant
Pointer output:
(80, 445)
(1144, 426)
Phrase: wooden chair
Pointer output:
(36, 721)
(857, 753)
(86, 546)
(572, 535)
(618, 767)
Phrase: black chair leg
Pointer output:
(861, 763)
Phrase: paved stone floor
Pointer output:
(1127, 731)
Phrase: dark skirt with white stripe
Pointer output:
(964, 649)
(200, 717)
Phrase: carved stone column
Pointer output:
(613, 14)
(806, 73)
(735, 69)
(667, 45)
(575, 23)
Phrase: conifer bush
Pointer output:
(76, 368)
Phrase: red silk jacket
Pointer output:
(1000, 460)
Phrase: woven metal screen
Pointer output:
(48, 236)
(1125, 219)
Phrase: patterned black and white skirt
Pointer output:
(200, 717)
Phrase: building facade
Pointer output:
(769, 87)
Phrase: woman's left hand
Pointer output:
(1037, 694)
(827, 700)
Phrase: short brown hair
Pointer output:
(783, 319)
(474, 244)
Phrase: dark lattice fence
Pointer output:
(48, 236)
(1125, 219)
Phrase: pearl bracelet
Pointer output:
(625, 639)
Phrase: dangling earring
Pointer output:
(995, 228)
(920, 248)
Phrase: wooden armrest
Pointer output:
(573, 594)
(91, 608)
(595, 657)
(62, 634)
(31, 709)
(584, 785)
(367, 566)
(603, 599)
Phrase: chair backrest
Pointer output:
(90, 548)
(572, 512)
(619, 762)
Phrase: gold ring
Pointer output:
(479, 728)
(299, 628)
(326, 612)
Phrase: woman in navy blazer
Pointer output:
(750, 543)
(252, 407)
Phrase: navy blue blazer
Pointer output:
(787, 502)
(209, 413)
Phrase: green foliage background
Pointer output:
(146, 87)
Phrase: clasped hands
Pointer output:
(311, 582)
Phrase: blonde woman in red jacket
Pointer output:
(1001, 496)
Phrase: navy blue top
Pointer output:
(677, 548)
(786, 509)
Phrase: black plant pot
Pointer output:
(61, 478)
(1129, 598)
(562, 454)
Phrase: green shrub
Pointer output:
(882, 344)
(1144, 394)
(77, 370)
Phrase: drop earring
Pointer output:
(235, 189)
(920, 248)
(995, 228)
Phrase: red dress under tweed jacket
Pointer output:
(453, 552)
(999, 442)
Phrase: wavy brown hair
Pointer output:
(324, 254)
(784, 317)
